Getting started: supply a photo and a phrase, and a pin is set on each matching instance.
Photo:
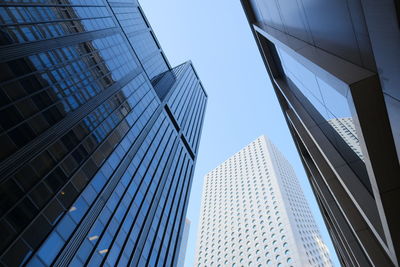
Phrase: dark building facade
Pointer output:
(99, 136)
(335, 68)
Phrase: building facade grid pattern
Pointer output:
(96, 166)
(254, 213)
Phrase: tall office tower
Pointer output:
(346, 129)
(340, 59)
(253, 213)
(185, 237)
(99, 136)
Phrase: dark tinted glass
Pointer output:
(97, 133)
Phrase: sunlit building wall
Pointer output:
(254, 213)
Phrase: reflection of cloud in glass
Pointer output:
(103, 251)
(73, 208)
(93, 237)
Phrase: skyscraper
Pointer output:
(332, 59)
(253, 213)
(99, 136)
(182, 251)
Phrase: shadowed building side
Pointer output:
(333, 66)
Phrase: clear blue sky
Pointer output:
(215, 35)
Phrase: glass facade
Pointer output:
(334, 68)
(329, 107)
(327, 100)
(99, 136)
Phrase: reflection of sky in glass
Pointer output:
(328, 101)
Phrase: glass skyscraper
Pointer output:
(334, 66)
(99, 136)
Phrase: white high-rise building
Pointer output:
(346, 129)
(253, 213)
